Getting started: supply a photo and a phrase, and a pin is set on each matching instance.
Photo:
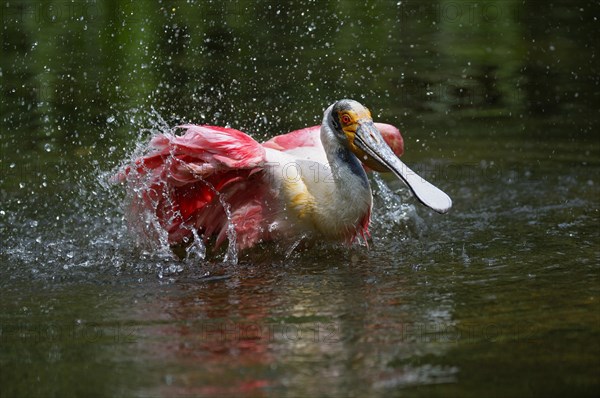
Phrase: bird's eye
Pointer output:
(346, 119)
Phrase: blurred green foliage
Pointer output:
(75, 74)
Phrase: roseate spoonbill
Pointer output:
(308, 184)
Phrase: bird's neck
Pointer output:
(345, 167)
(346, 207)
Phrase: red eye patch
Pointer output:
(346, 119)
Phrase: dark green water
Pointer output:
(498, 104)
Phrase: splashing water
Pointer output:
(66, 222)
(80, 230)
(146, 214)
(391, 209)
(142, 205)
(149, 232)
(231, 255)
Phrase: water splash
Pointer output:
(391, 210)
(144, 196)
(231, 256)
(66, 224)
(69, 225)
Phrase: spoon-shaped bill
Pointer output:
(427, 193)
(369, 140)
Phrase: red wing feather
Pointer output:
(192, 181)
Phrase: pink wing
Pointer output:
(190, 182)
(392, 136)
(311, 136)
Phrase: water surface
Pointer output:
(498, 105)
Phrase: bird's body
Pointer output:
(311, 188)
(308, 184)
